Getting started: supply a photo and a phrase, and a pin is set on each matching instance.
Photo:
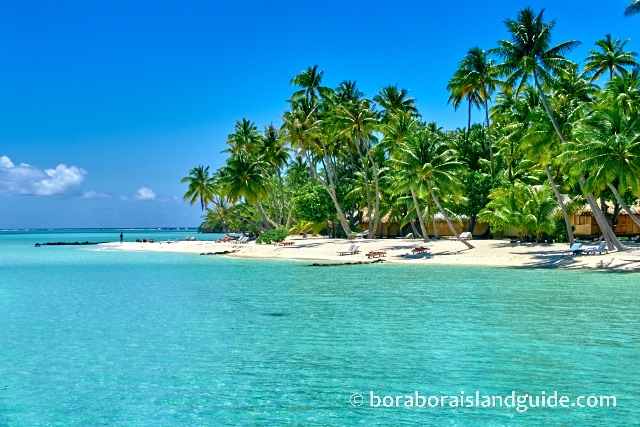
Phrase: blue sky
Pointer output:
(105, 106)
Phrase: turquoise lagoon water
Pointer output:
(110, 338)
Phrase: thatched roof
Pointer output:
(385, 219)
(586, 209)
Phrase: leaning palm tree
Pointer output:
(611, 57)
(633, 8)
(411, 153)
(201, 186)
(246, 137)
(429, 162)
(610, 152)
(529, 54)
(241, 177)
(302, 129)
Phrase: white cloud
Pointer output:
(144, 193)
(91, 194)
(5, 162)
(61, 180)
(30, 180)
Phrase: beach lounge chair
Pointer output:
(152, 241)
(244, 239)
(224, 239)
(286, 243)
(602, 247)
(362, 234)
(409, 236)
(352, 250)
(575, 249)
(419, 250)
(176, 241)
(376, 254)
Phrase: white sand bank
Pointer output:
(490, 253)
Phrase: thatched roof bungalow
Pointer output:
(586, 224)
(392, 228)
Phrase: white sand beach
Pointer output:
(488, 253)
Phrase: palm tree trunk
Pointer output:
(266, 178)
(378, 218)
(353, 166)
(284, 209)
(486, 112)
(425, 235)
(453, 230)
(268, 222)
(366, 182)
(332, 194)
(243, 218)
(468, 124)
(607, 233)
(561, 204)
(413, 225)
(435, 230)
(415, 230)
(612, 240)
(623, 204)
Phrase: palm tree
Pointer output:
(529, 53)
(624, 90)
(245, 136)
(394, 100)
(201, 186)
(275, 153)
(479, 75)
(633, 8)
(310, 81)
(611, 57)
(610, 151)
(356, 121)
(301, 128)
(412, 152)
(458, 87)
(428, 162)
(242, 177)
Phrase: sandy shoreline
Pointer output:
(487, 253)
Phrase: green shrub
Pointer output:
(560, 230)
(275, 235)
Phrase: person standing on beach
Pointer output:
(121, 238)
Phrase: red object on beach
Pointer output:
(286, 243)
(417, 250)
(376, 254)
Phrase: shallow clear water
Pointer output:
(103, 337)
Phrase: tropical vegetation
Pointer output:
(553, 138)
